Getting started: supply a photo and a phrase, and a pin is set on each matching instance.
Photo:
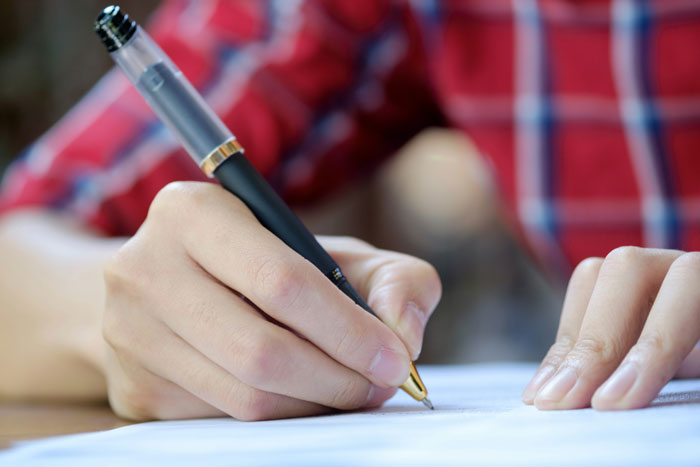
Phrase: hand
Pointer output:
(208, 313)
(629, 323)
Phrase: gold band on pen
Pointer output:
(215, 158)
(413, 385)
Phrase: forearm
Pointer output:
(51, 302)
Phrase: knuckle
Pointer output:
(652, 345)
(169, 200)
(179, 198)
(204, 318)
(124, 276)
(587, 270)
(116, 331)
(261, 363)
(625, 256)
(430, 273)
(278, 281)
(353, 242)
(131, 266)
(111, 330)
(419, 268)
(350, 395)
(431, 277)
(252, 405)
(349, 340)
(558, 351)
(603, 350)
(687, 263)
(133, 402)
(120, 268)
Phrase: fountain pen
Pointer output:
(214, 148)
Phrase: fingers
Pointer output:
(188, 369)
(690, 368)
(235, 249)
(209, 313)
(578, 295)
(137, 394)
(230, 333)
(213, 384)
(627, 283)
(670, 334)
(401, 289)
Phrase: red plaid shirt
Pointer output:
(588, 110)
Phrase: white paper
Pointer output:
(479, 420)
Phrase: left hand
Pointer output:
(630, 322)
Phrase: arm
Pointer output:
(183, 342)
(115, 198)
(51, 302)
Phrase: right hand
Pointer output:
(208, 313)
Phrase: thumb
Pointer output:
(402, 290)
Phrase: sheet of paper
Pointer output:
(479, 420)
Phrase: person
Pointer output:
(586, 111)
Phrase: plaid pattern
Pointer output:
(587, 110)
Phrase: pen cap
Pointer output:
(171, 96)
(114, 27)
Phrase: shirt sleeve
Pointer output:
(318, 92)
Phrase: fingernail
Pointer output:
(377, 396)
(411, 328)
(619, 383)
(389, 368)
(542, 375)
(556, 388)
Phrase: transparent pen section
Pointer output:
(171, 96)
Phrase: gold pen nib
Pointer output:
(426, 402)
(415, 387)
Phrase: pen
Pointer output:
(214, 148)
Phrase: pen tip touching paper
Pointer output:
(426, 402)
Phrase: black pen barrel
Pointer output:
(237, 175)
(214, 148)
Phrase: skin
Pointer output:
(205, 313)
(630, 322)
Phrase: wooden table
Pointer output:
(31, 421)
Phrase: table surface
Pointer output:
(32, 421)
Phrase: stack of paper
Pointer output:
(479, 420)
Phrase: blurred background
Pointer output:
(49, 58)
(435, 199)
